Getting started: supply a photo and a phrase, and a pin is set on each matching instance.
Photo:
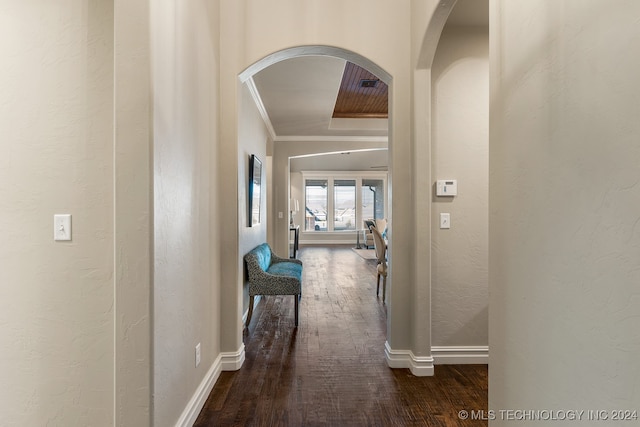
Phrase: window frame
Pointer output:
(330, 177)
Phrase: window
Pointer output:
(353, 198)
(315, 206)
(344, 202)
(373, 199)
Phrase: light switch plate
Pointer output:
(62, 227)
(445, 220)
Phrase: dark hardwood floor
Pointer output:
(331, 370)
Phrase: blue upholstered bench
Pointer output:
(271, 275)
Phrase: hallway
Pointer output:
(331, 370)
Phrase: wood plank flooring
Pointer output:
(331, 370)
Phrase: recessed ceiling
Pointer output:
(299, 96)
(362, 95)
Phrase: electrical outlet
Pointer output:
(197, 355)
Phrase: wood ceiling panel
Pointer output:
(356, 101)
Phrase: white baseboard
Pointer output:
(420, 366)
(460, 355)
(232, 361)
(195, 405)
(224, 362)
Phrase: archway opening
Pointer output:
(286, 144)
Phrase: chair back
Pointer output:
(380, 245)
(381, 224)
(260, 256)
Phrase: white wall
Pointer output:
(252, 139)
(57, 144)
(186, 248)
(133, 204)
(460, 150)
(565, 203)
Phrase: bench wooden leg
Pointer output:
(297, 298)
(250, 310)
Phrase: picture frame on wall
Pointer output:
(255, 190)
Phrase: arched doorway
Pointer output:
(279, 161)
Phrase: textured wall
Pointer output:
(252, 139)
(56, 298)
(460, 150)
(133, 216)
(186, 248)
(564, 207)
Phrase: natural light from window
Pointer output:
(344, 196)
(353, 198)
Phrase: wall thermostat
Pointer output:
(447, 187)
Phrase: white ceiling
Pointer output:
(299, 94)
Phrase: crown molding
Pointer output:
(253, 90)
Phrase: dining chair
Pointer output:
(381, 256)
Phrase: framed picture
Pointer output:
(255, 190)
